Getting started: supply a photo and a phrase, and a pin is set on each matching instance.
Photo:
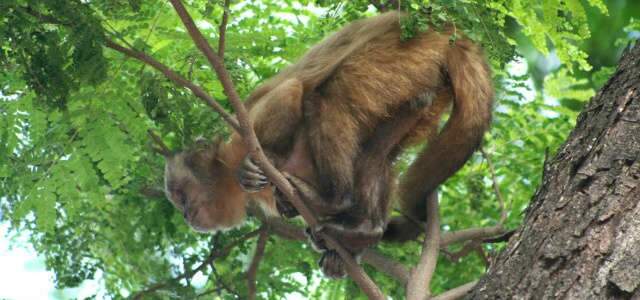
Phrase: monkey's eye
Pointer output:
(179, 196)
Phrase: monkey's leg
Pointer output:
(363, 225)
(334, 140)
(275, 117)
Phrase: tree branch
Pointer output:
(223, 28)
(213, 255)
(255, 263)
(173, 76)
(496, 187)
(470, 234)
(471, 246)
(372, 257)
(386, 265)
(418, 285)
(456, 293)
(161, 146)
(246, 130)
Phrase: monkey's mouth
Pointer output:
(190, 215)
(191, 218)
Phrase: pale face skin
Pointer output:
(193, 190)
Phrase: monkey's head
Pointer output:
(200, 184)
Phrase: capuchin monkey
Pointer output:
(334, 123)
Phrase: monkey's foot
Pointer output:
(285, 208)
(352, 238)
(250, 176)
(332, 265)
(317, 243)
(316, 203)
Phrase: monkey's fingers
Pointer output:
(250, 182)
(252, 186)
(251, 165)
(332, 265)
(251, 177)
(317, 243)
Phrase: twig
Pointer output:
(456, 293)
(483, 255)
(386, 265)
(246, 130)
(223, 28)
(496, 187)
(173, 76)
(470, 234)
(212, 256)
(500, 238)
(220, 281)
(418, 285)
(468, 248)
(162, 148)
(255, 263)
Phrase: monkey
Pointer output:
(334, 122)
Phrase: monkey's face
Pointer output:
(196, 184)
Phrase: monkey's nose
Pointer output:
(185, 210)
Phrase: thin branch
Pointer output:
(246, 130)
(372, 257)
(214, 254)
(45, 18)
(483, 255)
(500, 238)
(418, 286)
(162, 147)
(467, 249)
(386, 265)
(456, 293)
(470, 234)
(496, 187)
(220, 281)
(152, 192)
(173, 76)
(255, 263)
(223, 28)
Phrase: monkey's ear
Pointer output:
(159, 146)
(216, 144)
(201, 143)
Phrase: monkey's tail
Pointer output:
(449, 150)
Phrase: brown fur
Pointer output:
(339, 116)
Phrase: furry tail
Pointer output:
(446, 153)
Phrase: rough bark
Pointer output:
(580, 238)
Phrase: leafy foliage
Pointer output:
(77, 171)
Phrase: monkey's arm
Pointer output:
(275, 117)
(277, 114)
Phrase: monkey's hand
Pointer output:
(250, 176)
(353, 238)
(285, 208)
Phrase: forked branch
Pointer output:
(418, 286)
(255, 263)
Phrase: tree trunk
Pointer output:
(580, 238)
